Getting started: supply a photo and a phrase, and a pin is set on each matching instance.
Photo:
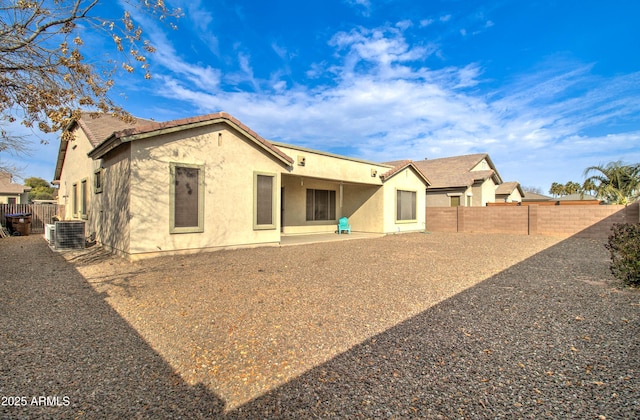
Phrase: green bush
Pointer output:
(624, 246)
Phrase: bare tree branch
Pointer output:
(45, 80)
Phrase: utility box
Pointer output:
(50, 233)
(69, 234)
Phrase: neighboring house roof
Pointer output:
(399, 166)
(531, 196)
(157, 128)
(506, 188)
(96, 127)
(456, 171)
(8, 187)
(576, 197)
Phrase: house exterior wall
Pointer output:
(364, 206)
(487, 193)
(19, 198)
(10, 191)
(81, 168)
(442, 198)
(514, 197)
(111, 206)
(332, 167)
(483, 165)
(406, 180)
(229, 162)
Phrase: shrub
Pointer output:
(624, 246)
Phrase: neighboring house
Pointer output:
(210, 182)
(510, 192)
(11, 193)
(468, 180)
(532, 197)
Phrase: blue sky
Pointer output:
(547, 88)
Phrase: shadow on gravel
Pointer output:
(544, 338)
(59, 339)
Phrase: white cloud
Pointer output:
(281, 51)
(404, 24)
(426, 22)
(385, 104)
(363, 5)
(247, 71)
(204, 77)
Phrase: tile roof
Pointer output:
(456, 171)
(507, 188)
(99, 126)
(399, 166)
(153, 128)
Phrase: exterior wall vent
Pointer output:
(69, 234)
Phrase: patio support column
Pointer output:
(341, 192)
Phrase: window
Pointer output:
(186, 198)
(97, 181)
(11, 200)
(455, 201)
(321, 205)
(406, 205)
(469, 200)
(264, 208)
(83, 198)
(74, 199)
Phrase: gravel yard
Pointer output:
(413, 325)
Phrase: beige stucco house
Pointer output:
(509, 192)
(10, 192)
(210, 182)
(468, 180)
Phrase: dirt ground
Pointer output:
(283, 330)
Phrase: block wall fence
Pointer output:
(586, 221)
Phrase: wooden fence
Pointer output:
(41, 214)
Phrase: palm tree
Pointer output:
(615, 182)
(571, 188)
(587, 187)
(556, 189)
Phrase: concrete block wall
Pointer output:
(513, 220)
(442, 219)
(586, 221)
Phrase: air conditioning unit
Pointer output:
(69, 234)
(50, 233)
